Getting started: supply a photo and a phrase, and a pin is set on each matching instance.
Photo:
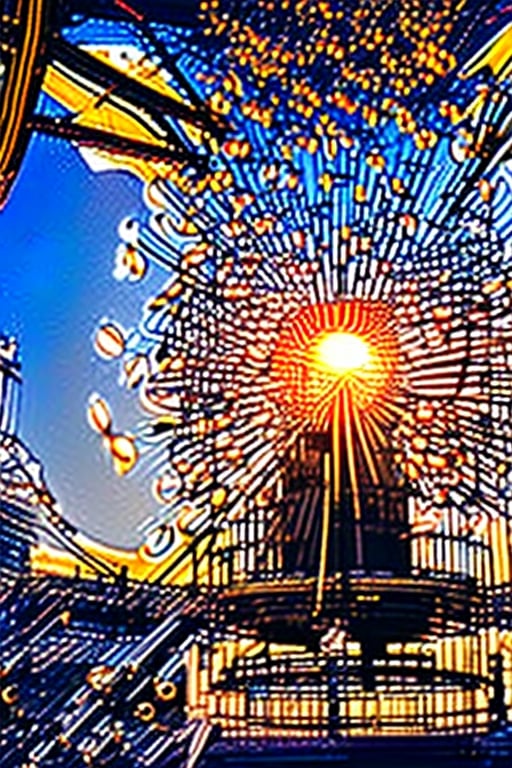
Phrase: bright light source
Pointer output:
(328, 350)
(342, 352)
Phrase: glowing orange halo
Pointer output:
(326, 349)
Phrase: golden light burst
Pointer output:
(341, 353)
(327, 349)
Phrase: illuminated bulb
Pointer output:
(342, 352)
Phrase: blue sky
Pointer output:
(58, 234)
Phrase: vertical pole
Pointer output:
(325, 533)
(353, 479)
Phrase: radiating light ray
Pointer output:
(343, 183)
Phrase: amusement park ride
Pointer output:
(130, 121)
(319, 626)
